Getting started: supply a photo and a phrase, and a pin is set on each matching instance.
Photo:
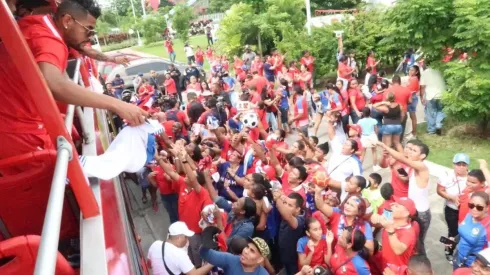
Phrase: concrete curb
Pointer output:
(437, 170)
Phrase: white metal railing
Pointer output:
(212, 16)
(48, 248)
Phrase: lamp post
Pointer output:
(308, 16)
(140, 43)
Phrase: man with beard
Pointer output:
(49, 38)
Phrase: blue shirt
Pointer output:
(473, 238)
(284, 104)
(243, 228)
(228, 262)
(117, 82)
(268, 73)
(236, 188)
(288, 238)
(367, 125)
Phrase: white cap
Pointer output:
(179, 228)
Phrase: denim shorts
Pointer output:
(412, 107)
(391, 129)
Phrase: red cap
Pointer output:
(408, 204)
(356, 127)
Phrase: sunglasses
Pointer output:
(90, 32)
(478, 207)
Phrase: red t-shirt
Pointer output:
(18, 112)
(463, 271)
(406, 235)
(169, 46)
(286, 188)
(340, 264)
(199, 56)
(318, 257)
(360, 100)
(308, 62)
(402, 95)
(400, 188)
(413, 84)
(377, 98)
(371, 62)
(191, 204)
(170, 86)
(307, 76)
(344, 71)
(318, 215)
(259, 67)
(260, 83)
(167, 126)
(280, 60)
(165, 186)
(237, 65)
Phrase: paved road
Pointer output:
(152, 225)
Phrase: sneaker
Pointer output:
(450, 259)
(376, 168)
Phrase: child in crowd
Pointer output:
(312, 247)
(373, 193)
(369, 136)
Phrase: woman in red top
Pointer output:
(225, 63)
(344, 72)
(414, 86)
(199, 56)
(237, 65)
(209, 54)
(257, 65)
(371, 61)
(194, 85)
(304, 77)
(145, 93)
(312, 248)
(169, 84)
(308, 60)
(357, 100)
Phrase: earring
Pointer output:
(66, 27)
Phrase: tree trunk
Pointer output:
(105, 42)
(259, 40)
(484, 125)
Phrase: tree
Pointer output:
(216, 6)
(335, 4)
(123, 7)
(181, 19)
(152, 27)
(103, 29)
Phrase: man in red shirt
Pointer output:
(169, 84)
(344, 72)
(193, 197)
(73, 25)
(399, 237)
(170, 49)
(403, 96)
(257, 65)
(259, 82)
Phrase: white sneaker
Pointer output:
(376, 168)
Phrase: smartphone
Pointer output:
(447, 241)
(402, 172)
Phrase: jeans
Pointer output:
(451, 217)
(379, 118)
(424, 223)
(170, 202)
(200, 63)
(404, 126)
(210, 40)
(345, 123)
(353, 115)
(391, 129)
(172, 56)
(434, 115)
(284, 115)
(271, 118)
(412, 107)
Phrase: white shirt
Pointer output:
(340, 166)
(433, 82)
(454, 186)
(417, 194)
(176, 259)
(188, 51)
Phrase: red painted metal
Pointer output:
(38, 91)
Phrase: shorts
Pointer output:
(369, 141)
(391, 129)
(412, 107)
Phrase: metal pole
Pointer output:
(143, 7)
(48, 249)
(137, 32)
(308, 16)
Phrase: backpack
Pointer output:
(172, 115)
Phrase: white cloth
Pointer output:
(127, 153)
(188, 51)
(434, 84)
(454, 186)
(340, 166)
(176, 259)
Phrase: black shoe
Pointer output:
(439, 132)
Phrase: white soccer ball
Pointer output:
(250, 120)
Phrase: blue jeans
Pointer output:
(271, 118)
(434, 115)
(170, 202)
(392, 129)
(172, 56)
(412, 107)
(353, 115)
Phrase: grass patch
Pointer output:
(159, 49)
(118, 46)
(443, 148)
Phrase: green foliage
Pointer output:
(334, 4)
(152, 27)
(180, 21)
(123, 7)
(242, 24)
(118, 46)
(103, 29)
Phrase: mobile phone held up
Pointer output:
(402, 172)
(447, 241)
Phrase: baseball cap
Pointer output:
(461, 157)
(408, 204)
(483, 256)
(262, 246)
(356, 127)
(179, 228)
(140, 74)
